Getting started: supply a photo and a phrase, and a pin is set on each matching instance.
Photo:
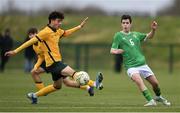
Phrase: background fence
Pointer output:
(97, 56)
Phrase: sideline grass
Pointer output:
(119, 95)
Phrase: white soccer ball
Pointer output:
(82, 77)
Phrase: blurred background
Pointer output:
(89, 48)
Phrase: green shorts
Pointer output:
(55, 70)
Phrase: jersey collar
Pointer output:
(53, 29)
(125, 33)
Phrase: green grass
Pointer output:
(119, 94)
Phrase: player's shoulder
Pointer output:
(118, 34)
(60, 30)
(47, 29)
(44, 32)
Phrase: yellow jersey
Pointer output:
(49, 38)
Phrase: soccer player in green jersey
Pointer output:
(128, 44)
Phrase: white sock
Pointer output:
(88, 87)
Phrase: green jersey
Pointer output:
(131, 44)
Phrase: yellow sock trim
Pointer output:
(39, 85)
(91, 83)
(85, 87)
(46, 90)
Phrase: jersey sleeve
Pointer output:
(70, 31)
(141, 36)
(39, 62)
(115, 43)
(26, 44)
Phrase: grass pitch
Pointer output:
(119, 94)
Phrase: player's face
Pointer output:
(31, 35)
(126, 25)
(56, 23)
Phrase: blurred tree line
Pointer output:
(173, 10)
(12, 9)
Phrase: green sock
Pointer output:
(157, 91)
(147, 95)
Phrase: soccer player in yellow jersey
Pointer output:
(40, 67)
(49, 37)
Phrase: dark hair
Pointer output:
(124, 17)
(55, 15)
(32, 30)
(7, 30)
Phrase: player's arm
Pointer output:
(116, 51)
(70, 31)
(42, 35)
(39, 62)
(115, 48)
(23, 46)
(151, 34)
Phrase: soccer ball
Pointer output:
(82, 77)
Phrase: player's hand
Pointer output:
(10, 53)
(84, 22)
(154, 25)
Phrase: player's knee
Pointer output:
(65, 83)
(137, 79)
(139, 82)
(57, 86)
(33, 72)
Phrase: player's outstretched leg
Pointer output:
(74, 84)
(32, 97)
(99, 79)
(155, 84)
